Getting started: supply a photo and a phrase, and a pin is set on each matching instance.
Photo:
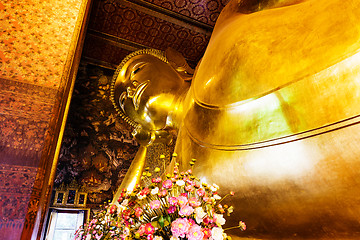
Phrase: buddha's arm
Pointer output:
(133, 174)
(144, 138)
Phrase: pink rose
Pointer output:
(173, 200)
(207, 199)
(182, 200)
(138, 212)
(155, 204)
(195, 233)
(200, 192)
(189, 188)
(180, 227)
(186, 210)
(167, 184)
(194, 202)
(171, 209)
(163, 192)
(141, 230)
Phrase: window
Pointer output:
(63, 224)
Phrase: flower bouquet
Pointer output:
(177, 207)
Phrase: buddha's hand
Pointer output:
(147, 137)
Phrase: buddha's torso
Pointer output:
(273, 114)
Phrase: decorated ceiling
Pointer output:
(118, 27)
(97, 146)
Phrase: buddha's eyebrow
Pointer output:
(137, 67)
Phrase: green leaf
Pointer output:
(167, 221)
(161, 221)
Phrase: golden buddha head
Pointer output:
(145, 87)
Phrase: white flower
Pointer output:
(139, 196)
(126, 231)
(180, 183)
(214, 187)
(217, 197)
(217, 233)
(120, 209)
(219, 219)
(158, 238)
(88, 237)
(155, 191)
(173, 238)
(125, 202)
(224, 235)
(199, 214)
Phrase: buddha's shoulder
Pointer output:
(255, 54)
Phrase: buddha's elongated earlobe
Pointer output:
(178, 62)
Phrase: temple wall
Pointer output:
(40, 49)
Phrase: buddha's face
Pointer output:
(145, 90)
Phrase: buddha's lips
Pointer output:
(138, 93)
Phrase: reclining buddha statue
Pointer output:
(270, 112)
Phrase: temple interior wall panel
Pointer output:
(40, 42)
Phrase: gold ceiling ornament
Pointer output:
(154, 52)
